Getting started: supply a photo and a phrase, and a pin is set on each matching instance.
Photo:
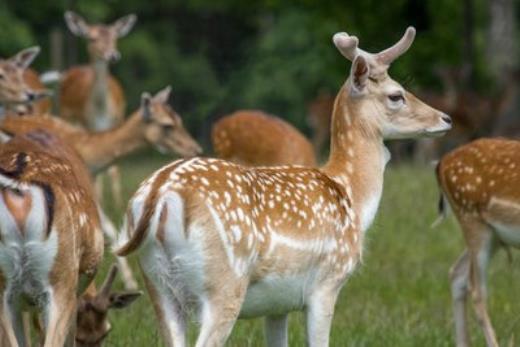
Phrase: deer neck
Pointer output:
(357, 158)
(98, 109)
(105, 147)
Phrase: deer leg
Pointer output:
(115, 180)
(320, 310)
(60, 315)
(219, 313)
(480, 256)
(276, 331)
(99, 187)
(459, 276)
(172, 318)
(8, 337)
(126, 271)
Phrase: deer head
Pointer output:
(92, 321)
(102, 39)
(163, 126)
(383, 105)
(13, 89)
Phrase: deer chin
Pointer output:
(437, 131)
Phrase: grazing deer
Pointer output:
(319, 113)
(247, 242)
(21, 91)
(255, 138)
(89, 94)
(480, 180)
(155, 123)
(51, 239)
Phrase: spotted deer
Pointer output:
(276, 142)
(21, 91)
(242, 242)
(480, 182)
(51, 239)
(154, 123)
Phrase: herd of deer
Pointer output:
(262, 233)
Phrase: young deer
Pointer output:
(480, 180)
(277, 142)
(51, 239)
(89, 94)
(155, 123)
(92, 325)
(247, 242)
(20, 88)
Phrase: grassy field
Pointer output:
(398, 297)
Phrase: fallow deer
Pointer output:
(319, 113)
(21, 91)
(51, 239)
(155, 123)
(255, 138)
(89, 94)
(247, 242)
(481, 181)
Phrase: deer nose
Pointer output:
(31, 96)
(114, 56)
(446, 119)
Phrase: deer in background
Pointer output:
(21, 91)
(319, 113)
(255, 138)
(155, 123)
(481, 183)
(89, 94)
(247, 242)
(474, 114)
(51, 239)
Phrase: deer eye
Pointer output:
(396, 97)
(2, 76)
(167, 127)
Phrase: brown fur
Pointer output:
(255, 138)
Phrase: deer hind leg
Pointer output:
(320, 310)
(480, 252)
(169, 311)
(11, 331)
(59, 318)
(219, 312)
(115, 183)
(459, 277)
(276, 331)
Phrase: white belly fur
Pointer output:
(509, 234)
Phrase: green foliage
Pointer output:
(220, 56)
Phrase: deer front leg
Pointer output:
(7, 334)
(220, 311)
(115, 180)
(320, 310)
(459, 276)
(276, 331)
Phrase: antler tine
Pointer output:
(347, 45)
(387, 56)
(107, 285)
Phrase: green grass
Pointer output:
(398, 297)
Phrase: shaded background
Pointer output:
(274, 55)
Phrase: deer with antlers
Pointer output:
(247, 242)
(155, 123)
(480, 181)
(21, 91)
(276, 142)
(51, 239)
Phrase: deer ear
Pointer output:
(77, 25)
(163, 95)
(123, 299)
(359, 73)
(123, 25)
(25, 57)
(146, 106)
